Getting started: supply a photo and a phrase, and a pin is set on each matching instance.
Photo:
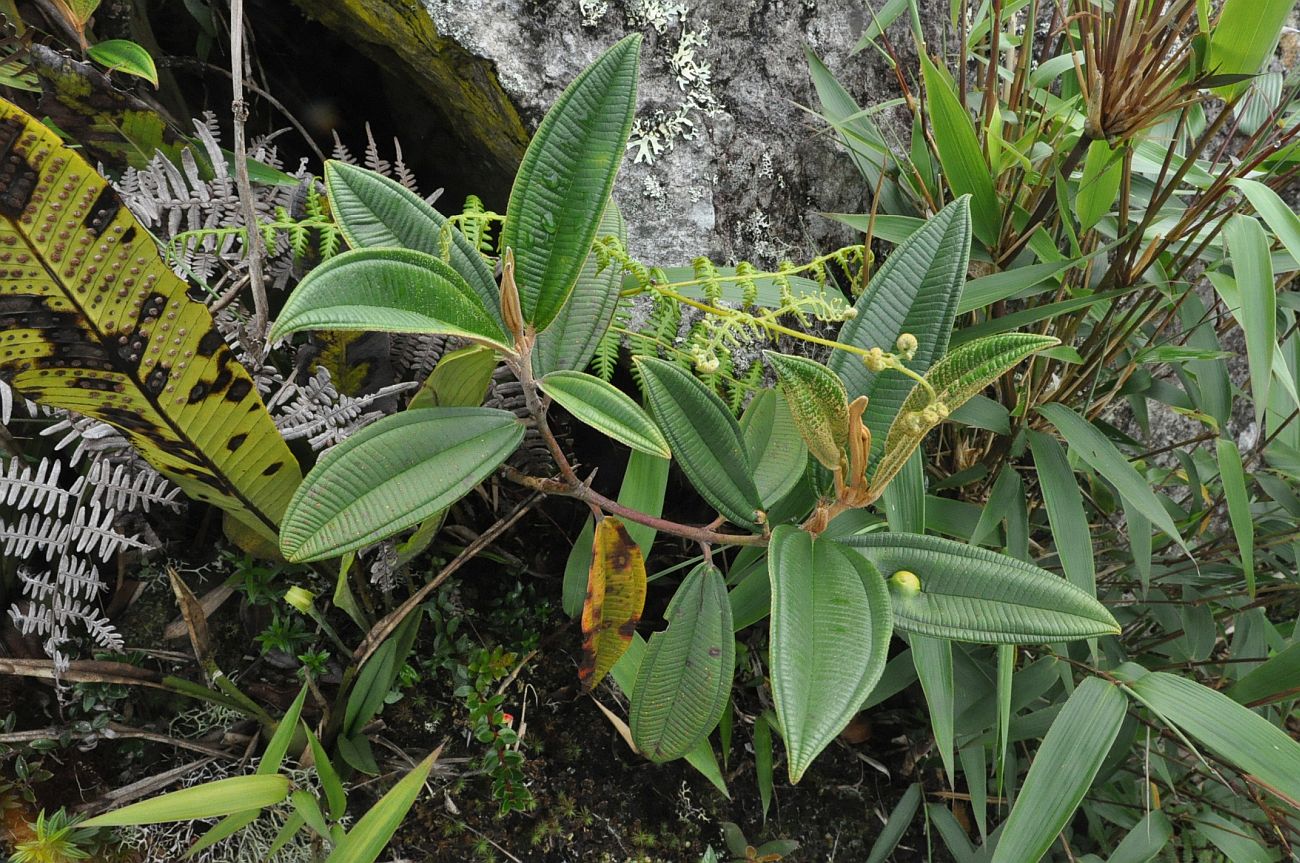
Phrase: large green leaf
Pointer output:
(776, 449)
(830, 633)
(373, 211)
(1062, 771)
(607, 409)
(389, 290)
(960, 152)
(973, 594)
(1090, 445)
(818, 404)
(684, 680)
(370, 835)
(565, 179)
(705, 439)
(702, 757)
(1265, 754)
(915, 291)
(1253, 270)
(570, 341)
(1276, 213)
(392, 475)
(961, 374)
(209, 800)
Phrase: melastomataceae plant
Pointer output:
(860, 420)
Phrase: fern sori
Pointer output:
(95, 322)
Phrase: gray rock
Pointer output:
(724, 160)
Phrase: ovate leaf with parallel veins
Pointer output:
(373, 211)
(818, 404)
(571, 340)
(916, 291)
(95, 322)
(388, 290)
(973, 594)
(392, 475)
(775, 447)
(957, 377)
(704, 437)
(684, 680)
(607, 409)
(615, 598)
(565, 179)
(830, 634)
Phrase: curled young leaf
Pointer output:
(961, 374)
(818, 403)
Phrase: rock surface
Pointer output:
(725, 160)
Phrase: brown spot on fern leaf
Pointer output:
(95, 322)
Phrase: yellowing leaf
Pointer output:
(615, 598)
(95, 322)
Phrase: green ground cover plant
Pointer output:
(957, 488)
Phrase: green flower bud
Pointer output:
(907, 345)
(875, 360)
(905, 584)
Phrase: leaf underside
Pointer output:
(95, 322)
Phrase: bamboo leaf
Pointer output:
(1100, 454)
(1062, 771)
(960, 153)
(915, 291)
(1147, 839)
(388, 290)
(373, 211)
(607, 409)
(1276, 679)
(95, 322)
(1233, 475)
(615, 598)
(1276, 213)
(565, 179)
(570, 341)
(933, 660)
(973, 594)
(818, 404)
(1064, 504)
(900, 818)
(1265, 754)
(1102, 172)
(1253, 270)
(705, 439)
(1243, 37)
(961, 374)
(209, 800)
(830, 632)
(684, 680)
(370, 835)
(392, 475)
(775, 448)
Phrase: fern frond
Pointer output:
(124, 488)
